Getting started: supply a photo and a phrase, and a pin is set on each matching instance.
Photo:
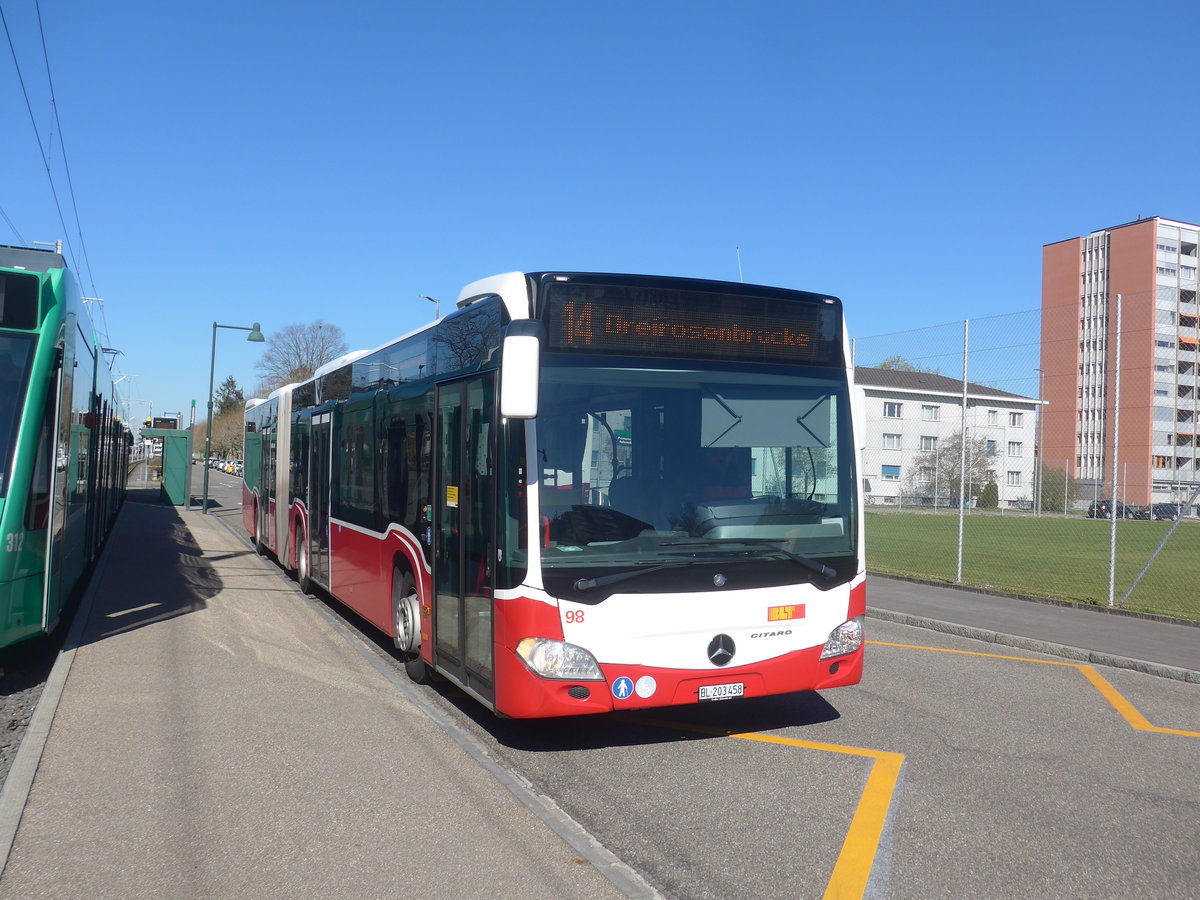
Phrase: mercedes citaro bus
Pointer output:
(580, 493)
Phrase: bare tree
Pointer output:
(227, 435)
(463, 341)
(937, 473)
(295, 352)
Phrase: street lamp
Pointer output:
(437, 305)
(255, 336)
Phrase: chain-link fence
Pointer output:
(1009, 483)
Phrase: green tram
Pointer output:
(64, 449)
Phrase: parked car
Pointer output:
(1102, 509)
(1164, 512)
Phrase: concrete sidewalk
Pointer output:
(1091, 634)
(217, 737)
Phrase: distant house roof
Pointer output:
(927, 382)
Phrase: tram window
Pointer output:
(37, 506)
(18, 301)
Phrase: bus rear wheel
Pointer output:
(258, 543)
(303, 575)
(406, 620)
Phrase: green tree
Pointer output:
(229, 397)
(989, 497)
(1056, 485)
(900, 364)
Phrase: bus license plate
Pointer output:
(721, 691)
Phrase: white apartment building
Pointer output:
(912, 416)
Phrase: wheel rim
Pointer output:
(408, 625)
(301, 557)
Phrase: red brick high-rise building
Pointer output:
(1152, 265)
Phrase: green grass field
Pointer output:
(1060, 558)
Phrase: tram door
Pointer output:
(319, 477)
(464, 551)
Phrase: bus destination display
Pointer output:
(688, 325)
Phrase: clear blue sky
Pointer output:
(284, 162)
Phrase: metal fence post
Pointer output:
(1116, 437)
(962, 462)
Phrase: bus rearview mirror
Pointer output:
(519, 376)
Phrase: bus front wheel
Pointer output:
(406, 620)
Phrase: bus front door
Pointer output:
(464, 549)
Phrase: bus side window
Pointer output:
(419, 461)
(397, 470)
(356, 499)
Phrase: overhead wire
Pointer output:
(62, 142)
(36, 133)
(103, 323)
(20, 237)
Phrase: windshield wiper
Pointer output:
(586, 584)
(811, 564)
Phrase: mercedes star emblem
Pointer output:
(720, 650)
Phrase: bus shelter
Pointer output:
(176, 486)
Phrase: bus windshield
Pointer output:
(650, 466)
(16, 352)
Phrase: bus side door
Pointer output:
(464, 548)
(319, 480)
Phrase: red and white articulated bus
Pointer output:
(581, 493)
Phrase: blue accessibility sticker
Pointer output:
(622, 687)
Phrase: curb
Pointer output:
(1035, 646)
(1045, 601)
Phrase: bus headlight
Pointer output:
(846, 638)
(558, 659)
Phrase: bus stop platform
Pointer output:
(208, 733)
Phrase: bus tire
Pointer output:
(259, 548)
(303, 569)
(418, 671)
(406, 625)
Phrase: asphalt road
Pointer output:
(955, 769)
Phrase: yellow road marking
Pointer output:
(857, 856)
(1048, 662)
(1127, 710)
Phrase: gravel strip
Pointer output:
(25, 669)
